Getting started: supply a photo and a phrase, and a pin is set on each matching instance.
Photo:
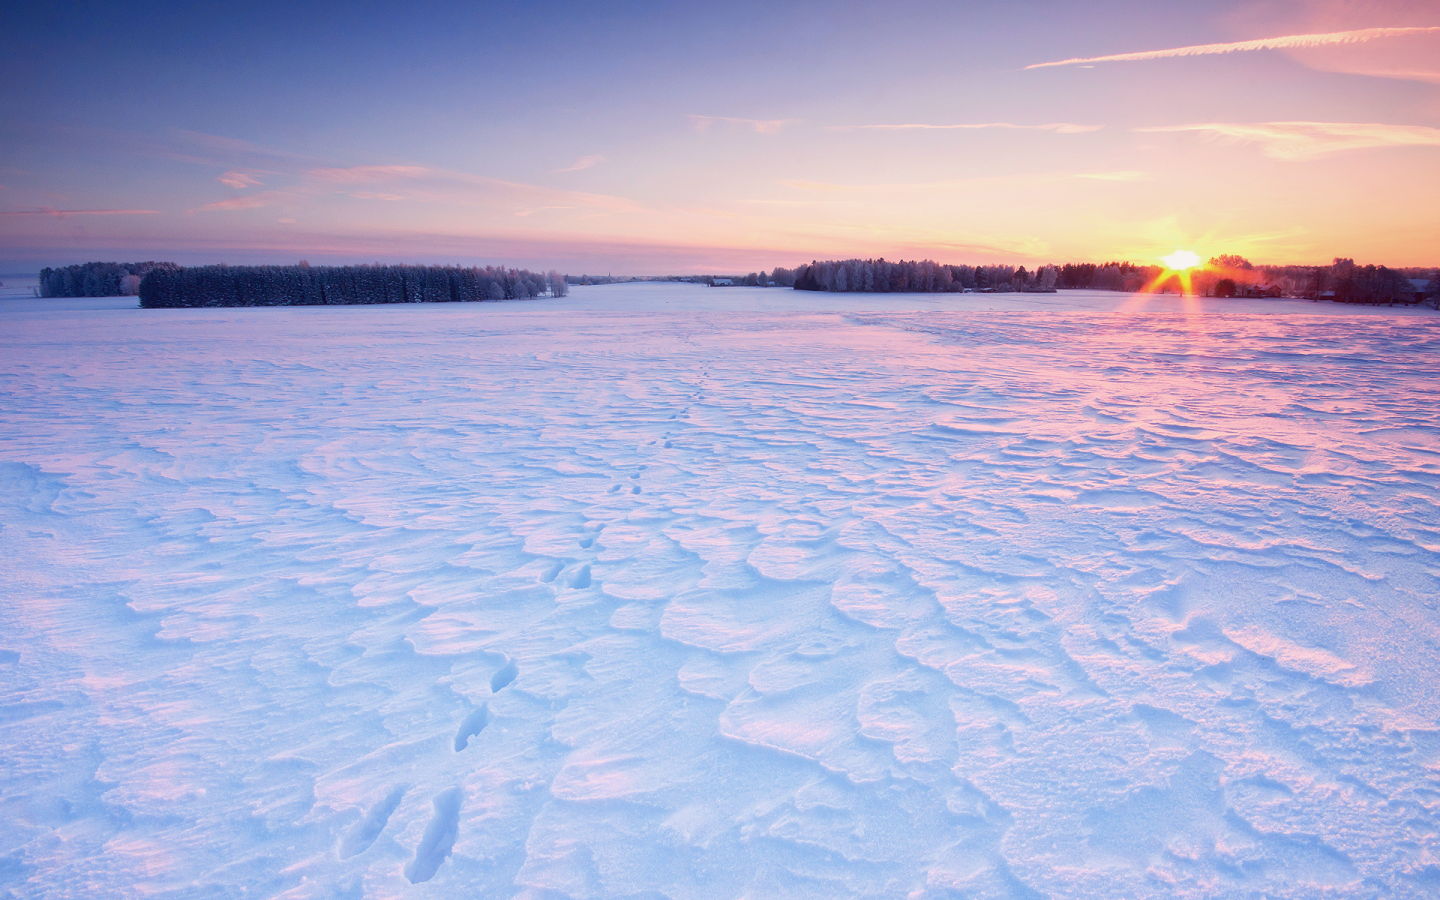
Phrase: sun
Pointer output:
(1177, 271)
(1181, 260)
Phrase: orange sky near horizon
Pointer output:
(686, 141)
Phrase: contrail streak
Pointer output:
(1293, 40)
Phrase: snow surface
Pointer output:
(665, 591)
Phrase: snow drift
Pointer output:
(648, 592)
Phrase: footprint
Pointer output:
(503, 677)
(615, 488)
(472, 725)
(585, 543)
(581, 579)
(635, 489)
(634, 474)
(359, 838)
(551, 571)
(439, 838)
(668, 445)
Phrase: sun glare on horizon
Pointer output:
(1181, 260)
(1176, 272)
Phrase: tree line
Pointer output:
(1342, 281)
(1223, 276)
(220, 285)
(1110, 276)
(919, 276)
(97, 279)
(781, 277)
(306, 285)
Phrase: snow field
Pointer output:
(660, 590)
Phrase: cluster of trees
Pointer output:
(1364, 284)
(1224, 276)
(1110, 276)
(97, 279)
(919, 276)
(616, 279)
(754, 279)
(306, 285)
(1342, 281)
(780, 277)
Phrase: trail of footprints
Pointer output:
(364, 833)
(439, 838)
(443, 828)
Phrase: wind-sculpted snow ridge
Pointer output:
(639, 596)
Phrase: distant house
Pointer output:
(1420, 288)
(1259, 290)
(722, 282)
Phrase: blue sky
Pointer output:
(648, 138)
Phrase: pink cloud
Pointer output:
(1309, 140)
(254, 201)
(1057, 127)
(235, 147)
(424, 184)
(819, 186)
(63, 213)
(367, 174)
(583, 162)
(238, 180)
(1114, 176)
(762, 126)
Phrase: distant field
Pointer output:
(18, 286)
(659, 590)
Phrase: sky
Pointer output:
(677, 138)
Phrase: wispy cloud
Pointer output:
(822, 186)
(368, 174)
(1275, 43)
(1114, 176)
(583, 162)
(1294, 141)
(239, 180)
(64, 213)
(209, 149)
(763, 126)
(252, 201)
(1058, 127)
(226, 144)
(420, 184)
(931, 187)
